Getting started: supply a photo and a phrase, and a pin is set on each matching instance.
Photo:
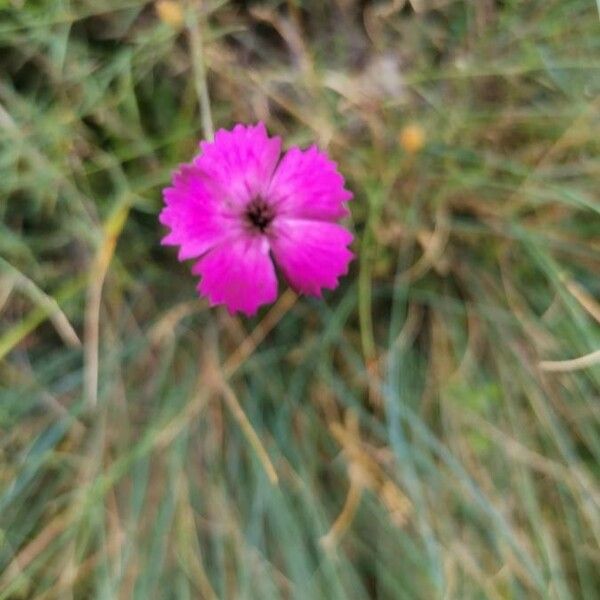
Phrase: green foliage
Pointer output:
(427, 436)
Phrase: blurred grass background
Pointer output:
(429, 430)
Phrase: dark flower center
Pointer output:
(259, 214)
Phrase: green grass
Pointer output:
(424, 403)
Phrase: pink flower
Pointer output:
(238, 204)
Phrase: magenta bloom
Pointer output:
(239, 205)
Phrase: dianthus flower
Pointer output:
(239, 203)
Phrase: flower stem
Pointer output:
(364, 293)
(195, 36)
(368, 251)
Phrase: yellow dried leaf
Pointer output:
(170, 12)
(412, 138)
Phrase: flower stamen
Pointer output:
(259, 214)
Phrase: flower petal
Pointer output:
(197, 219)
(311, 254)
(307, 185)
(239, 274)
(240, 161)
